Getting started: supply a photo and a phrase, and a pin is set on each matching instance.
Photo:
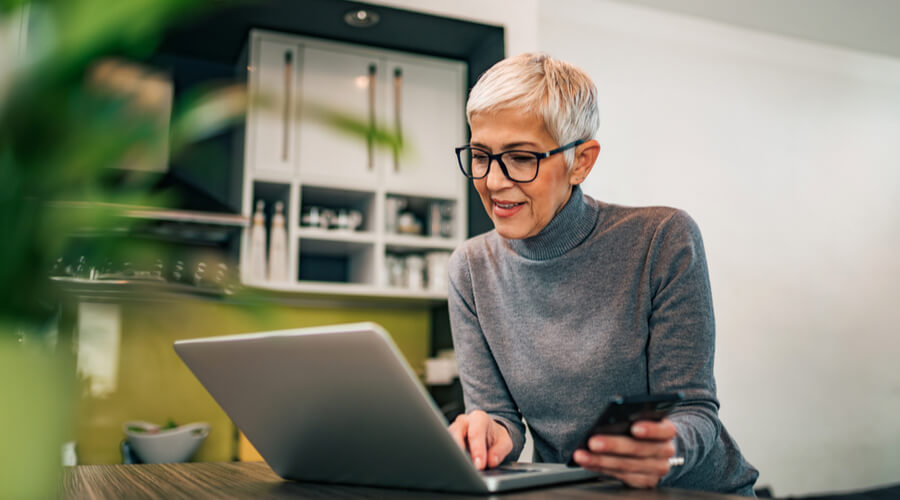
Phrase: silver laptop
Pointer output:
(339, 404)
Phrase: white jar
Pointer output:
(415, 272)
(436, 265)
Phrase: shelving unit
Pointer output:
(353, 212)
(406, 243)
(336, 235)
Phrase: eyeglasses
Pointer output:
(517, 166)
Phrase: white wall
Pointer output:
(787, 153)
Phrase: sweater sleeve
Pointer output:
(681, 343)
(482, 382)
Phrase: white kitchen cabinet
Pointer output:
(426, 105)
(272, 117)
(326, 177)
(345, 83)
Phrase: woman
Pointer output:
(570, 300)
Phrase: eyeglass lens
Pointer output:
(520, 165)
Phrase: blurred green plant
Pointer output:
(60, 132)
(62, 128)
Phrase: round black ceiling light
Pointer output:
(361, 18)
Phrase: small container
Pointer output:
(69, 455)
(408, 224)
(415, 272)
(395, 271)
(154, 445)
(436, 268)
(278, 270)
(311, 217)
(327, 219)
(354, 220)
(440, 219)
(257, 271)
(392, 208)
(348, 220)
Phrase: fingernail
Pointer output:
(478, 463)
(639, 430)
(597, 445)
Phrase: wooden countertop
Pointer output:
(238, 480)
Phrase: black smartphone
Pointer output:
(623, 411)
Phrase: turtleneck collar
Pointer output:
(564, 232)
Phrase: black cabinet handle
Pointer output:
(398, 113)
(370, 141)
(286, 125)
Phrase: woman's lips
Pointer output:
(502, 208)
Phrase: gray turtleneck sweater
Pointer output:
(605, 300)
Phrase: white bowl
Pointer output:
(157, 446)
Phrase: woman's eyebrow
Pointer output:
(506, 147)
(515, 145)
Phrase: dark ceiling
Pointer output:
(220, 35)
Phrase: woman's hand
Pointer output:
(639, 460)
(487, 442)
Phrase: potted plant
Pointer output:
(61, 127)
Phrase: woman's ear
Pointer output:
(585, 157)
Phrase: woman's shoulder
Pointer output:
(476, 247)
(643, 218)
(472, 257)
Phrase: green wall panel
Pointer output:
(152, 383)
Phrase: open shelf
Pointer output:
(436, 217)
(336, 261)
(341, 205)
(336, 235)
(402, 243)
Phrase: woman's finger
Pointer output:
(626, 446)
(476, 437)
(458, 430)
(500, 445)
(660, 431)
(619, 464)
(636, 480)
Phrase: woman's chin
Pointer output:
(510, 231)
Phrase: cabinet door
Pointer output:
(273, 115)
(346, 84)
(426, 106)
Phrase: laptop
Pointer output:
(339, 404)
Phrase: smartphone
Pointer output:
(623, 411)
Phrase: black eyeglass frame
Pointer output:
(491, 157)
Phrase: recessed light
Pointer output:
(361, 18)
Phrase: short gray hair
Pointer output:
(560, 93)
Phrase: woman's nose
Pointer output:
(496, 179)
